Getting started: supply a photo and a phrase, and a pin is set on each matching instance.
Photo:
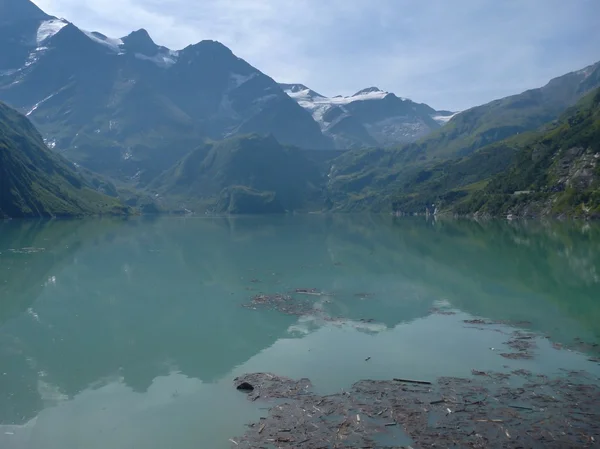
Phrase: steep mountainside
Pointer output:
(499, 119)
(130, 108)
(36, 182)
(557, 171)
(370, 117)
(422, 173)
(245, 174)
(550, 172)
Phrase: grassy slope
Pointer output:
(557, 171)
(500, 119)
(241, 175)
(36, 182)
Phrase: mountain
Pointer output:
(556, 172)
(454, 161)
(130, 108)
(244, 174)
(482, 125)
(36, 182)
(552, 172)
(19, 22)
(370, 117)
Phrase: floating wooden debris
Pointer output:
(556, 413)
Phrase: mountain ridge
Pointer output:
(491, 122)
(455, 161)
(99, 100)
(555, 172)
(369, 117)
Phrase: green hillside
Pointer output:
(557, 172)
(416, 175)
(500, 119)
(246, 174)
(36, 182)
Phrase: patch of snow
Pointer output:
(301, 94)
(31, 59)
(443, 119)
(49, 28)
(318, 105)
(305, 96)
(265, 98)
(8, 72)
(38, 104)
(363, 96)
(50, 143)
(161, 59)
(237, 80)
(110, 43)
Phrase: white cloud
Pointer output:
(448, 54)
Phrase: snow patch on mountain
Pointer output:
(237, 80)
(164, 59)
(318, 105)
(110, 43)
(443, 119)
(49, 28)
(307, 96)
(265, 99)
(37, 105)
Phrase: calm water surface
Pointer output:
(128, 333)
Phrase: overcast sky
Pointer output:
(451, 54)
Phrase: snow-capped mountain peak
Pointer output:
(110, 43)
(368, 90)
(49, 28)
(300, 91)
(370, 93)
(371, 116)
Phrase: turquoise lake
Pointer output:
(128, 333)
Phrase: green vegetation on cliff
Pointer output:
(557, 172)
(552, 171)
(37, 182)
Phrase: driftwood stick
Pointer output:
(520, 407)
(409, 381)
(481, 401)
